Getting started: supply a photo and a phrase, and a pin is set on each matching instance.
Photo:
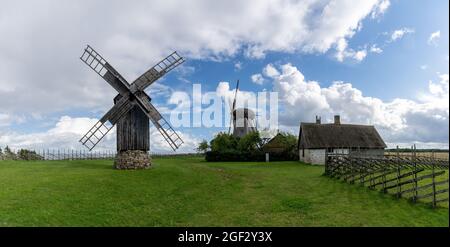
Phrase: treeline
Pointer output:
(21, 154)
(251, 147)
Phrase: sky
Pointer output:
(378, 62)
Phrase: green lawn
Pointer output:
(192, 192)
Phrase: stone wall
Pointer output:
(317, 156)
(132, 160)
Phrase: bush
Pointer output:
(8, 154)
(226, 147)
(224, 142)
(249, 143)
(25, 154)
(215, 156)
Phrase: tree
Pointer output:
(223, 142)
(203, 147)
(290, 142)
(25, 154)
(8, 154)
(250, 142)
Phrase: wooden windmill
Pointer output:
(131, 112)
(243, 118)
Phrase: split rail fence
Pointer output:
(72, 154)
(414, 178)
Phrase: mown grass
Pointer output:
(191, 192)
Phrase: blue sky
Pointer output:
(391, 87)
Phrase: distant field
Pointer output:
(191, 192)
(437, 155)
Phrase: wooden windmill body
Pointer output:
(243, 119)
(131, 112)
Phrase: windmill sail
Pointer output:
(132, 95)
(97, 63)
(233, 106)
(154, 73)
(105, 124)
(169, 134)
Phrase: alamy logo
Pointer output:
(214, 109)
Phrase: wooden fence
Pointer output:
(72, 154)
(415, 178)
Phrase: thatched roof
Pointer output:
(314, 135)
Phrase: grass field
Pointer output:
(191, 192)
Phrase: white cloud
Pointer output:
(238, 66)
(398, 34)
(360, 55)
(380, 8)
(67, 131)
(65, 134)
(5, 119)
(243, 98)
(424, 120)
(424, 67)
(257, 79)
(434, 37)
(9, 119)
(270, 70)
(39, 62)
(375, 49)
(343, 52)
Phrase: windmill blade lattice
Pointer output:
(154, 73)
(132, 96)
(97, 63)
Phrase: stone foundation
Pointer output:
(132, 160)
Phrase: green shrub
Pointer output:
(226, 147)
(25, 154)
(223, 142)
(215, 156)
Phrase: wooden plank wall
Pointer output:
(133, 131)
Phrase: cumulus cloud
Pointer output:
(343, 52)
(257, 79)
(270, 70)
(424, 120)
(67, 131)
(399, 33)
(243, 98)
(39, 58)
(380, 8)
(434, 37)
(375, 49)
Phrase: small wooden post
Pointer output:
(415, 176)
(434, 187)
(384, 178)
(326, 162)
(399, 187)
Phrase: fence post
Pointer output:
(415, 176)
(434, 187)
(399, 187)
(326, 162)
(384, 178)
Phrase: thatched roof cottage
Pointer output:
(317, 139)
